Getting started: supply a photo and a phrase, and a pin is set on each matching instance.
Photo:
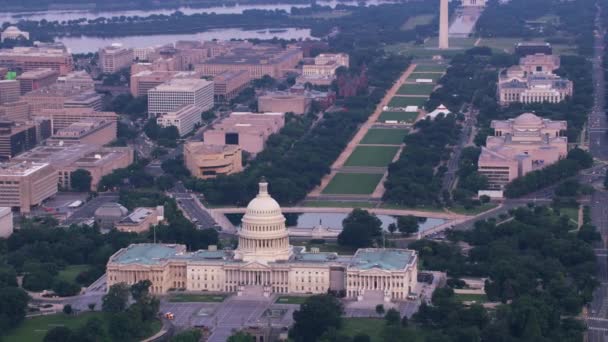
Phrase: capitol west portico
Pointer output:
(265, 261)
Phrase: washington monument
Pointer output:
(443, 24)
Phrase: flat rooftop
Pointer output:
(20, 168)
(384, 259)
(37, 74)
(182, 84)
(147, 253)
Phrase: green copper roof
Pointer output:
(146, 253)
(385, 259)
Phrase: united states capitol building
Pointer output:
(265, 261)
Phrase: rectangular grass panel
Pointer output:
(416, 89)
(424, 75)
(430, 68)
(402, 102)
(374, 156)
(353, 184)
(384, 136)
(398, 116)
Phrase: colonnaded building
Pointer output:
(265, 261)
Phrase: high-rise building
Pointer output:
(145, 80)
(30, 58)
(179, 92)
(60, 96)
(114, 58)
(229, 84)
(9, 91)
(184, 119)
(26, 184)
(16, 138)
(36, 79)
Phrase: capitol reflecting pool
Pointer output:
(334, 220)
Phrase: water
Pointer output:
(84, 44)
(334, 220)
(65, 15)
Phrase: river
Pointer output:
(84, 44)
(65, 15)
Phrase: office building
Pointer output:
(521, 145)
(30, 58)
(87, 131)
(283, 101)
(141, 219)
(145, 80)
(62, 118)
(257, 60)
(6, 222)
(247, 130)
(79, 79)
(9, 91)
(24, 184)
(59, 97)
(65, 159)
(36, 79)
(323, 71)
(115, 57)
(179, 92)
(15, 111)
(184, 119)
(209, 161)
(229, 84)
(13, 32)
(16, 138)
(265, 263)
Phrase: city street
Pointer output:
(597, 321)
(191, 207)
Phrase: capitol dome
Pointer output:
(263, 204)
(528, 119)
(263, 236)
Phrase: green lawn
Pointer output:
(374, 327)
(376, 156)
(34, 329)
(353, 183)
(425, 75)
(414, 21)
(407, 101)
(408, 117)
(384, 136)
(71, 272)
(571, 212)
(479, 298)
(190, 297)
(500, 44)
(291, 300)
(430, 48)
(430, 68)
(416, 89)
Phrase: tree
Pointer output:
(80, 180)
(92, 331)
(59, 334)
(67, 309)
(361, 338)
(392, 228)
(193, 335)
(240, 336)
(91, 306)
(407, 225)
(115, 300)
(360, 228)
(392, 317)
(65, 288)
(404, 321)
(140, 289)
(315, 316)
(380, 309)
(13, 305)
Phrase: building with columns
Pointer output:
(265, 260)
